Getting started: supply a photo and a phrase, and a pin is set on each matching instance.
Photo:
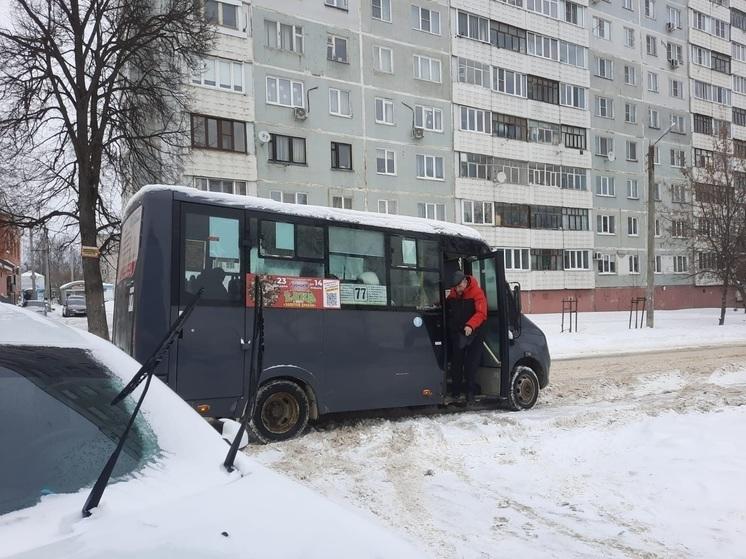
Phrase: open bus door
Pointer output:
(493, 375)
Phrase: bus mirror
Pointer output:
(517, 298)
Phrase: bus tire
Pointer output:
(524, 388)
(281, 411)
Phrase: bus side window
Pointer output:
(289, 249)
(212, 257)
(415, 273)
(357, 259)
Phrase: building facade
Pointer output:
(10, 262)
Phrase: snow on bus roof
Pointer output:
(404, 223)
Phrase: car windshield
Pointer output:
(75, 300)
(58, 426)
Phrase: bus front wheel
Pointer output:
(524, 388)
(281, 411)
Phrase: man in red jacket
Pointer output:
(467, 313)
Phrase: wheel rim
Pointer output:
(524, 390)
(280, 413)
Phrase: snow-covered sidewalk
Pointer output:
(605, 333)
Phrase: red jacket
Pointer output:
(473, 291)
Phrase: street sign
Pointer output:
(88, 252)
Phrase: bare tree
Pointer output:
(93, 97)
(715, 208)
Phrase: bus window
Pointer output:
(212, 258)
(356, 258)
(415, 276)
(289, 249)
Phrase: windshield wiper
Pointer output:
(257, 353)
(144, 373)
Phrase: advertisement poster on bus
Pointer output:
(129, 245)
(287, 292)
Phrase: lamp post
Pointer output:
(650, 275)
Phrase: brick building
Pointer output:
(10, 259)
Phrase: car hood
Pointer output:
(261, 515)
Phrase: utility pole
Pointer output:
(47, 279)
(33, 272)
(650, 272)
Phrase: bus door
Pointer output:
(489, 272)
(210, 353)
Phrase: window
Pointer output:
(336, 49)
(708, 261)
(633, 191)
(651, 45)
(507, 37)
(381, 10)
(289, 248)
(678, 193)
(710, 92)
(218, 133)
(220, 185)
(630, 113)
(657, 225)
(604, 107)
(427, 20)
(515, 258)
(739, 116)
(470, 71)
(605, 186)
(575, 219)
(221, 74)
(384, 111)
(543, 132)
(674, 17)
(605, 68)
(649, 8)
(634, 264)
(387, 207)
(541, 46)
(287, 149)
(415, 272)
(572, 96)
(630, 75)
(632, 229)
(284, 36)
(429, 167)
(628, 5)
(545, 7)
(429, 118)
(703, 124)
(574, 137)
(542, 89)
(383, 59)
(658, 265)
(340, 4)
(339, 102)
(475, 120)
(631, 151)
(739, 150)
(607, 264)
(680, 264)
(605, 224)
(629, 37)
(223, 14)
(702, 158)
(657, 191)
(546, 259)
(543, 174)
(342, 156)
(572, 54)
(604, 145)
(653, 82)
(357, 259)
(477, 213)
(473, 27)
(426, 68)
(738, 19)
(509, 82)
(577, 260)
(289, 197)
(676, 88)
(674, 52)
(574, 13)
(284, 92)
(343, 202)
(512, 215)
(385, 161)
(738, 51)
(700, 56)
(678, 159)
(546, 217)
(720, 62)
(653, 118)
(429, 210)
(601, 28)
(574, 178)
(739, 84)
(510, 127)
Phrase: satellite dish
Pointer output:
(501, 177)
(611, 156)
(263, 136)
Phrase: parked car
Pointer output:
(36, 305)
(74, 306)
(169, 495)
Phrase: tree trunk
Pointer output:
(723, 301)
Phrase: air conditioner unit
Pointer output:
(597, 256)
(300, 113)
(673, 62)
(670, 26)
(418, 133)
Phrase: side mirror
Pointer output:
(517, 298)
(230, 429)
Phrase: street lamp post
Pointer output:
(650, 275)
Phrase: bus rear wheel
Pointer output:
(281, 411)
(524, 388)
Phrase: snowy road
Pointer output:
(634, 456)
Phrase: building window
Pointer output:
(629, 37)
(228, 186)
(470, 71)
(678, 158)
(634, 264)
(284, 36)
(678, 229)
(381, 10)
(604, 145)
(574, 137)
(702, 158)
(680, 264)
(543, 89)
(630, 75)
(429, 210)
(510, 127)
(477, 213)
(633, 191)
(607, 264)
(509, 82)
(383, 58)
(289, 197)
(739, 116)
(505, 36)
(674, 17)
(340, 4)
(512, 215)
(339, 102)
(542, 46)
(218, 133)
(473, 27)
(676, 88)
(601, 28)
(287, 149)
(630, 113)
(574, 13)
(572, 54)
(710, 92)
(220, 74)
(653, 118)
(605, 225)
(720, 62)
(385, 161)
(425, 20)
(223, 14)
(429, 118)
(342, 202)
(284, 92)
(574, 178)
(628, 5)
(658, 265)
(738, 51)
(384, 111)
(675, 53)
(546, 217)
(543, 174)
(632, 229)
(738, 19)
(577, 260)
(426, 68)
(605, 68)
(475, 120)
(700, 56)
(575, 219)
(543, 132)
(653, 82)
(430, 167)
(572, 96)
(548, 8)
(336, 49)
(546, 259)
(515, 258)
(678, 193)
(342, 156)
(703, 124)
(387, 207)
(651, 45)
(605, 186)
(649, 8)
(604, 107)
(631, 150)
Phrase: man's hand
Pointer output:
(468, 330)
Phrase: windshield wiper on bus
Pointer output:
(144, 373)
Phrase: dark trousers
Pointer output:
(465, 362)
